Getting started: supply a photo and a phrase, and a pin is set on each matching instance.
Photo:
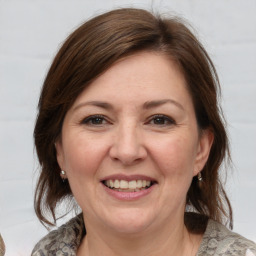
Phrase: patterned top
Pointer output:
(217, 241)
(2, 246)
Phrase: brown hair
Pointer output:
(92, 49)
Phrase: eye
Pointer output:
(95, 120)
(161, 120)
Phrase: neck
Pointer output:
(171, 240)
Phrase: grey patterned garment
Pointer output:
(217, 241)
(64, 241)
(220, 241)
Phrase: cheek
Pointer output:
(175, 161)
(82, 160)
(83, 156)
(175, 155)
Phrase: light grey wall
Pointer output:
(30, 34)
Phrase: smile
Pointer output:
(128, 186)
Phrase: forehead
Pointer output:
(142, 76)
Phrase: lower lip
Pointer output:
(128, 196)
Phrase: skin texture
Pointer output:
(146, 125)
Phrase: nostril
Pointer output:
(127, 146)
(127, 155)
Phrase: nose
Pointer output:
(127, 145)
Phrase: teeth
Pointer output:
(133, 185)
(116, 184)
(124, 184)
(139, 183)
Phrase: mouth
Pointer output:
(128, 186)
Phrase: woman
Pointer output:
(129, 126)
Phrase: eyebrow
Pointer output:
(156, 103)
(100, 104)
(146, 105)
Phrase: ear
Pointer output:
(60, 154)
(204, 147)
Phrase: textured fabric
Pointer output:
(217, 241)
(220, 241)
(2, 246)
(64, 241)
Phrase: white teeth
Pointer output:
(124, 184)
(139, 184)
(116, 184)
(133, 185)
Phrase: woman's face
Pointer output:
(130, 145)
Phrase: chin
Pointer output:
(130, 221)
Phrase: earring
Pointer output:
(200, 180)
(199, 176)
(63, 175)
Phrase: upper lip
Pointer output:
(128, 177)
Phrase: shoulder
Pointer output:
(218, 240)
(62, 241)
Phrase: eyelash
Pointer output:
(90, 119)
(98, 120)
(166, 119)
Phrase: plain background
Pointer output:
(31, 31)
